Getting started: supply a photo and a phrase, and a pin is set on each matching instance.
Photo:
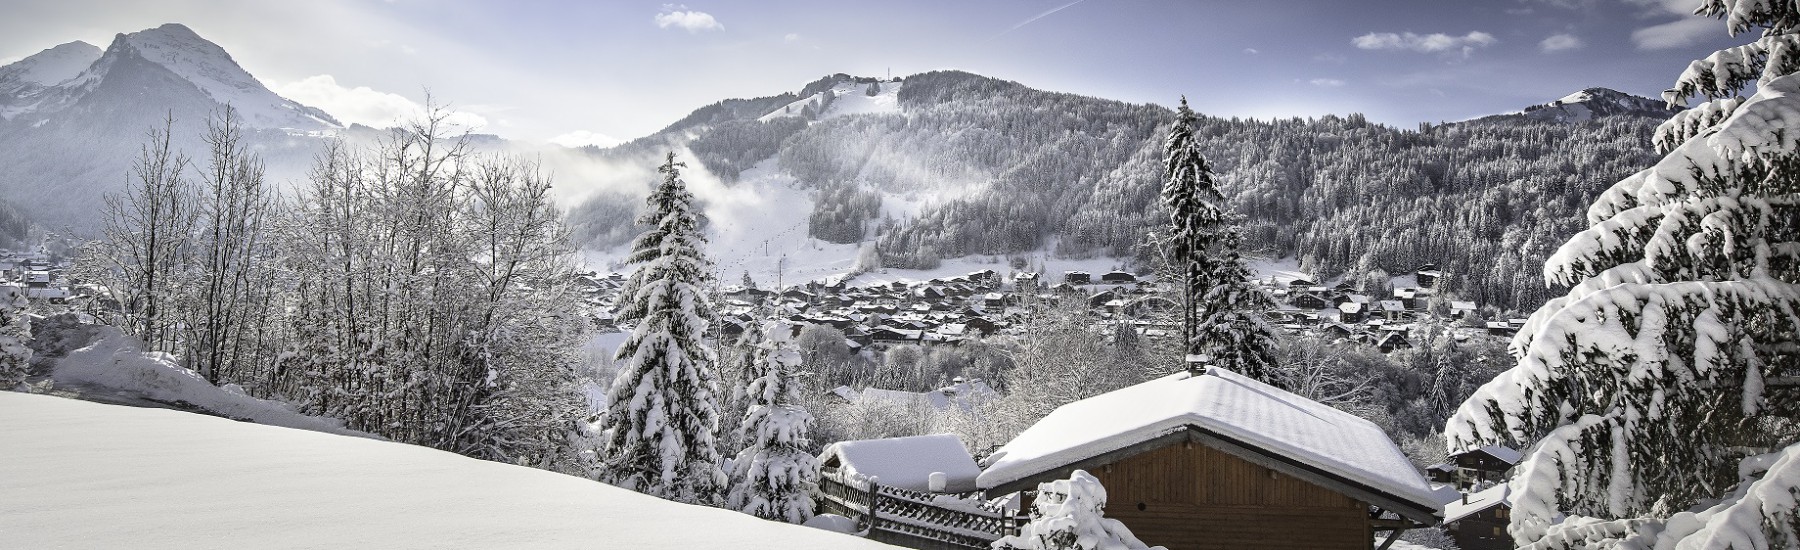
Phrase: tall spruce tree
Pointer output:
(662, 412)
(1661, 396)
(1200, 253)
(774, 477)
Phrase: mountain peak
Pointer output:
(52, 66)
(1591, 103)
(211, 70)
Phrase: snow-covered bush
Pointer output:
(15, 337)
(1067, 515)
(1656, 389)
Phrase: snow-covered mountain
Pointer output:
(945, 169)
(143, 62)
(1590, 104)
(30, 77)
(73, 117)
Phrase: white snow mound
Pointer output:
(88, 475)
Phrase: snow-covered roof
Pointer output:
(907, 462)
(1501, 452)
(1481, 500)
(1226, 404)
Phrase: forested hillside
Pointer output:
(1024, 172)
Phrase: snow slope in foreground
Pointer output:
(76, 474)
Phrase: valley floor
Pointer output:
(76, 474)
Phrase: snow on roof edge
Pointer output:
(1282, 424)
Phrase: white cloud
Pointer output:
(580, 138)
(1251, 51)
(692, 20)
(791, 37)
(1560, 42)
(1424, 43)
(1326, 82)
(1676, 34)
(363, 105)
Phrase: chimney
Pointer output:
(1197, 363)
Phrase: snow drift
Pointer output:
(77, 474)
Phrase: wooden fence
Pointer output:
(926, 521)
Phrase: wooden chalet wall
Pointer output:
(1485, 530)
(1194, 497)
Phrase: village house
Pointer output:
(1478, 521)
(1118, 278)
(1216, 460)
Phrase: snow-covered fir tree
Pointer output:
(774, 477)
(1661, 394)
(662, 412)
(1200, 250)
(1068, 514)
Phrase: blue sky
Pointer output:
(543, 69)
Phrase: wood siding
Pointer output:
(1193, 497)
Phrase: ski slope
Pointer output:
(76, 474)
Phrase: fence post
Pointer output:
(874, 500)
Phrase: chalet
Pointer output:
(1214, 459)
(1488, 463)
(1500, 328)
(981, 325)
(1428, 278)
(1459, 308)
(1099, 299)
(1118, 278)
(1025, 282)
(1339, 330)
(906, 462)
(1352, 312)
(1077, 277)
(996, 300)
(1392, 310)
(1479, 520)
(1393, 340)
(1442, 472)
(1310, 301)
(1302, 282)
(930, 293)
(798, 294)
(1407, 296)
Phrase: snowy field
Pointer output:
(76, 474)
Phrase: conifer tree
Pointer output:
(1218, 305)
(1661, 395)
(774, 477)
(662, 412)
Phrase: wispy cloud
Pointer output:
(1251, 51)
(1560, 42)
(791, 37)
(1326, 82)
(680, 16)
(1034, 18)
(363, 105)
(1424, 43)
(1675, 34)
